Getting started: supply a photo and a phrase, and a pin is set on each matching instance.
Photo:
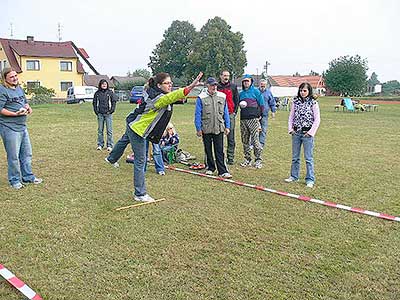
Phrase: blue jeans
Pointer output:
(19, 155)
(138, 145)
(298, 139)
(157, 156)
(119, 148)
(264, 127)
(101, 120)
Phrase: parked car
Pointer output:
(136, 94)
(122, 95)
(80, 94)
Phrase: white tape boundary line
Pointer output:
(19, 284)
(298, 197)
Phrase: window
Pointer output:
(33, 65)
(30, 85)
(65, 85)
(66, 66)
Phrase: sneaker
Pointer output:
(245, 163)
(115, 165)
(291, 179)
(109, 149)
(258, 164)
(162, 173)
(144, 198)
(225, 175)
(209, 172)
(17, 186)
(99, 148)
(37, 180)
(310, 184)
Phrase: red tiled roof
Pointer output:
(295, 81)
(37, 49)
(84, 53)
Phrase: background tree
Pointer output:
(313, 73)
(171, 54)
(146, 74)
(391, 87)
(347, 75)
(216, 48)
(373, 80)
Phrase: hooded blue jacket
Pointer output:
(254, 99)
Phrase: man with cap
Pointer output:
(252, 105)
(212, 121)
(232, 101)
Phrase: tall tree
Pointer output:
(171, 54)
(347, 75)
(217, 48)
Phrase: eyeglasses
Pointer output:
(168, 83)
(303, 90)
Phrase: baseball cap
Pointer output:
(211, 81)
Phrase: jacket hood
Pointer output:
(153, 92)
(247, 76)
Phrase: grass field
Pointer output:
(209, 239)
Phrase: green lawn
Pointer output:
(209, 239)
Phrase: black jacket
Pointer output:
(104, 102)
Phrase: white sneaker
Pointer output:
(109, 149)
(162, 173)
(115, 165)
(208, 172)
(310, 184)
(37, 180)
(17, 186)
(99, 148)
(291, 179)
(225, 175)
(258, 164)
(144, 198)
(245, 163)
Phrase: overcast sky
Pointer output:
(294, 36)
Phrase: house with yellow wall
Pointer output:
(53, 65)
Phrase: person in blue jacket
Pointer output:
(269, 102)
(251, 105)
(212, 122)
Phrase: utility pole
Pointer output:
(59, 32)
(266, 67)
(11, 30)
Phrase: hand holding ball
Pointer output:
(242, 104)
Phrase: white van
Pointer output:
(80, 94)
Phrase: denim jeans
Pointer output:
(19, 155)
(264, 127)
(157, 156)
(138, 145)
(298, 139)
(230, 150)
(107, 119)
(119, 148)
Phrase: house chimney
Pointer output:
(30, 39)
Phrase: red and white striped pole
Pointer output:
(298, 197)
(19, 284)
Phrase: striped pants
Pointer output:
(249, 131)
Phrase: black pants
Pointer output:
(217, 140)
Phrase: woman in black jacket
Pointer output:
(104, 102)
